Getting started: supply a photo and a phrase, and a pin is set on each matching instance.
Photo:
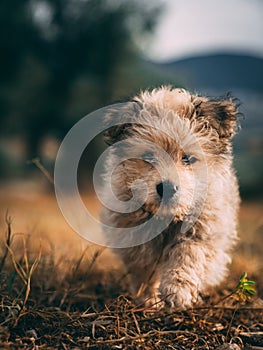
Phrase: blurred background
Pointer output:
(61, 59)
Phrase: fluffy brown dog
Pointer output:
(176, 162)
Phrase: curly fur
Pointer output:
(178, 266)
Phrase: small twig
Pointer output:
(136, 323)
(231, 322)
(8, 240)
(146, 335)
(117, 320)
(78, 263)
(25, 273)
(29, 275)
(37, 163)
(95, 257)
(19, 269)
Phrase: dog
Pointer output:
(175, 159)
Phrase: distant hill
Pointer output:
(217, 71)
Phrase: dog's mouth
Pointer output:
(162, 207)
(168, 209)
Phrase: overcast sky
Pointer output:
(191, 27)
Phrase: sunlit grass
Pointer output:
(58, 290)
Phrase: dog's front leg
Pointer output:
(183, 274)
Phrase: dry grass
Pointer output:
(58, 291)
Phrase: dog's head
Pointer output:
(172, 151)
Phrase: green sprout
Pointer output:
(244, 290)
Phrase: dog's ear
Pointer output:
(221, 115)
(116, 133)
(119, 120)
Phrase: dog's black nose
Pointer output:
(166, 190)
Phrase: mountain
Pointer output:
(217, 72)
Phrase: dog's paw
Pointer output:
(182, 295)
(154, 302)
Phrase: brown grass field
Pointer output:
(60, 292)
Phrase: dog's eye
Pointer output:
(149, 157)
(188, 159)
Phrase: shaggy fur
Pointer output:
(177, 266)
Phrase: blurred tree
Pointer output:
(60, 59)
